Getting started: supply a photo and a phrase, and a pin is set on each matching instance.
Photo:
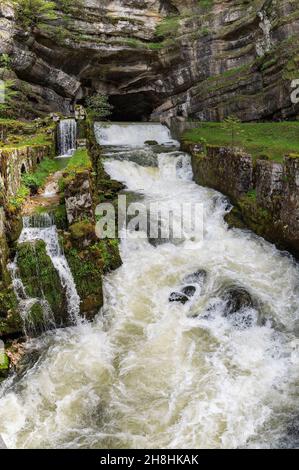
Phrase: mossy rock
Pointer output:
(4, 365)
(88, 279)
(234, 219)
(40, 278)
(151, 143)
(35, 323)
(82, 230)
(88, 266)
(10, 320)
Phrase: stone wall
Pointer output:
(265, 193)
(16, 161)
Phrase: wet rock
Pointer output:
(41, 280)
(151, 142)
(4, 365)
(178, 297)
(236, 298)
(189, 291)
(184, 295)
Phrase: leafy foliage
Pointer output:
(5, 61)
(98, 106)
(7, 95)
(232, 125)
(32, 12)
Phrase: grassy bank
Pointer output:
(273, 140)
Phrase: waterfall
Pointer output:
(42, 227)
(67, 136)
(26, 303)
(132, 135)
(152, 372)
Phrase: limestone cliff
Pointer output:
(265, 193)
(161, 58)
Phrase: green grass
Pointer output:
(30, 141)
(168, 27)
(38, 178)
(80, 160)
(272, 139)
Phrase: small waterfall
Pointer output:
(133, 135)
(67, 135)
(26, 303)
(152, 373)
(42, 227)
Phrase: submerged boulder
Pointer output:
(184, 295)
(236, 298)
(151, 142)
(178, 297)
(194, 281)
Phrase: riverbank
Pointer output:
(56, 197)
(265, 192)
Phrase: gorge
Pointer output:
(140, 341)
(198, 365)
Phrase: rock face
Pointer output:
(161, 58)
(78, 198)
(265, 193)
(41, 281)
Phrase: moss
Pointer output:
(4, 365)
(87, 274)
(88, 267)
(35, 317)
(10, 320)
(82, 230)
(39, 276)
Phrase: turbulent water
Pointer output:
(67, 135)
(149, 373)
(42, 227)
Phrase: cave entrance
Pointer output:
(133, 106)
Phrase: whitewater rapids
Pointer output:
(153, 374)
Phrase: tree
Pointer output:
(7, 95)
(32, 12)
(99, 107)
(232, 125)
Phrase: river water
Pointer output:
(150, 373)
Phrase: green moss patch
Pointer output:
(276, 139)
(39, 276)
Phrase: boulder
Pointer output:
(178, 297)
(237, 299)
(184, 295)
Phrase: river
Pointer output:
(150, 373)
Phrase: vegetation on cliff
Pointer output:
(271, 140)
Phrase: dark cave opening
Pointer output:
(133, 106)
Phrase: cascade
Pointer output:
(42, 227)
(133, 134)
(67, 136)
(217, 370)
